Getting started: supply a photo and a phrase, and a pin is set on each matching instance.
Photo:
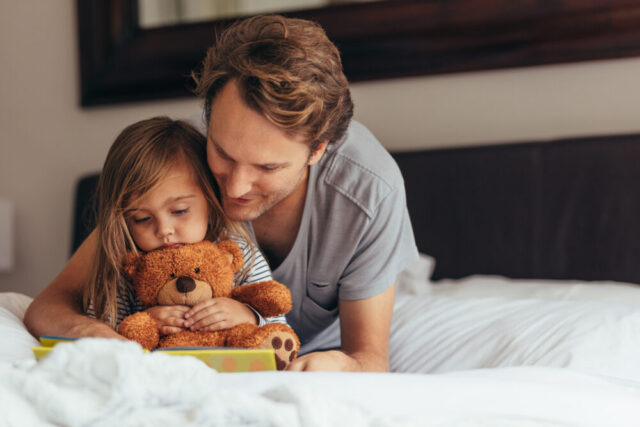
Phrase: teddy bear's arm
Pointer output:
(269, 298)
(141, 328)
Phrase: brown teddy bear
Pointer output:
(195, 272)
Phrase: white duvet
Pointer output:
(97, 382)
(482, 351)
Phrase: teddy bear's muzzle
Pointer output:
(185, 284)
(184, 290)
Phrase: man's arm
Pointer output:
(364, 328)
(57, 310)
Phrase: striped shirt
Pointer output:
(255, 270)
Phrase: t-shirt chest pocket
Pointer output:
(323, 292)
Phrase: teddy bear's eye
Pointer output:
(173, 275)
(197, 270)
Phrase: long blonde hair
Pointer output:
(138, 161)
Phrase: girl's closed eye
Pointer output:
(180, 211)
(141, 220)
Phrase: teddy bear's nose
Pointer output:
(185, 284)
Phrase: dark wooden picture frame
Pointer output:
(121, 62)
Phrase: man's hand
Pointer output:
(332, 360)
(218, 313)
(170, 318)
(364, 330)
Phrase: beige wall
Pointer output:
(47, 141)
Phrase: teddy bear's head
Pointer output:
(184, 275)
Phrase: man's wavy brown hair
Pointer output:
(287, 69)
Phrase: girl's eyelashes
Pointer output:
(141, 220)
(180, 211)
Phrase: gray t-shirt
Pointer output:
(355, 236)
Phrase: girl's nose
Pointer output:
(164, 229)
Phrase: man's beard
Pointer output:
(258, 206)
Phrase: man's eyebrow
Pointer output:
(221, 151)
(219, 148)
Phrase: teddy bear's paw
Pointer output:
(284, 343)
(285, 348)
(141, 328)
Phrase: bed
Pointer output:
(523, 309)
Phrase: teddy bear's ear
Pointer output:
(233, 252)
(130, 263)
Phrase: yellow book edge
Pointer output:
(222, 359)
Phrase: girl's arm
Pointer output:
(57, 309)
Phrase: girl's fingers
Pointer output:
(214, 321)
(196, 309)
(216, 326)
(196, 315)
(174, 321)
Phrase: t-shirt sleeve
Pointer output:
(386, 247)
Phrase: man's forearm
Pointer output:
(369, 362)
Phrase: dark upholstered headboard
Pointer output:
(564, 209)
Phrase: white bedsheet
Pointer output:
(551, 353)
(101, 382)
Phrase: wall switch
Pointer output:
(6, 235)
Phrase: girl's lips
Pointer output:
(171, 245)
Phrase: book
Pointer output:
(222, 359)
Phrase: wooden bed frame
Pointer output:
(562, 209)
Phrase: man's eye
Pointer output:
(141, 220)
(269, 168)
(222, 154)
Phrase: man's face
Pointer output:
(256, 164)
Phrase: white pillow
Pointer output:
(15, 340)
(440, 334)
(573, 290)
(16, 303)
(416, 279)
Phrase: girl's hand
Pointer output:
(170, 318)
(218, 313)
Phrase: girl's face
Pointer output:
(174, 213)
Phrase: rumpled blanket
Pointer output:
(101, 382)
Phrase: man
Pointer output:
(325, 201)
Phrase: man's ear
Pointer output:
(318, 152)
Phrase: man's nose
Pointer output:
(239, 182)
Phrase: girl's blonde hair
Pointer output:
(137, 162)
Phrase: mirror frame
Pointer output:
(120, 62)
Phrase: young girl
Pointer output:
(156, 191)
